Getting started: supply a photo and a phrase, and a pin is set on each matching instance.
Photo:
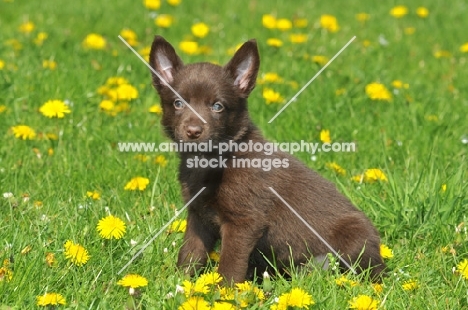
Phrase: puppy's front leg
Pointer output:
(237, 243)
(199, 240)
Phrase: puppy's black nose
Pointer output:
(193, 132)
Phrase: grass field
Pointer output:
(399, 91)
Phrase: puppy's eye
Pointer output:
(217, 107)
(178, 104)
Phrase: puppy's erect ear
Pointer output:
(243, 67)
(164, 60)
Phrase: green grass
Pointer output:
(416, 139)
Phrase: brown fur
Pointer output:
(237, 205)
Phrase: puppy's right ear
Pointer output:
(164, 60)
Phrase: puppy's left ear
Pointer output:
(243, 67)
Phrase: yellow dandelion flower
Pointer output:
(462, 268)
(14, 43)
(23, 132)
(409, 30)
(378, 288)
(269, 21)
(142, 157)
(155, 109)
(174, 2)
(50, 299)
(178, 226)
(340, 91)
(133, 281)
(385, 251)
(111, 227)
(325, 136)
(210, 278)
(144, 52)
(5, 272)
(422, 12)
(400, 84)
(195, 303)
(2, 64)
(300, 22)
(378, 91)
(319, 59)
(27, 27)
(410, 285)
(363, 302)
(227, 293)
(296, 298)
(128, 34)
(124, 92)
(3, 108)
(283, 24)
(137, 183)
(161, 160)
(362, 17)
(193, 288)
(432, 118)
(49, 64)
(51, 136)
(50, 259)
(54, 108)
(214, 256)
(76, 253)
(40, 38)
(122, 107)
(107, 105)
(152, 4)
(374, 174)
(163, 21)
(343, 281)
(444, 186)
(271, 96)
(249, 293)
(270, 77)
(464, 48)
(202, 284)
(370, 176)
(335, 167)
(274, 42)
(200, 30)
(223, 306)
(94, 41)
(399, 11)
(442, 54)
(93, 194)
(329, 22)
(189, 47)
(116, 81)
(297, 38)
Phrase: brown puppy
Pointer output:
(255, 227)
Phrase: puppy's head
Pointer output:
(217, 94)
